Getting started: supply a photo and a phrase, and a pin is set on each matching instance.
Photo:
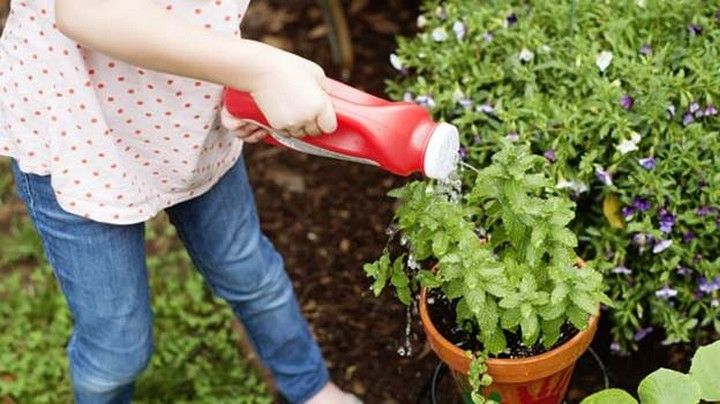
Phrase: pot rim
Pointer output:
(506, 370)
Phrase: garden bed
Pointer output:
(329, 217)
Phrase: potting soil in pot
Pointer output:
(442, 312)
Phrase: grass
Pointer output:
(196, 358)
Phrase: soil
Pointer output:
(328, 217)
(442, 314)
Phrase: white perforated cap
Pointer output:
(441, 154)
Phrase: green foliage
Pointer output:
(614, 396)
(520, 277)
(196, 358)
(705, 369)
(532, 71)
(478, 378)
(665, 386)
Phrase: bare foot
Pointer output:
(331, 394)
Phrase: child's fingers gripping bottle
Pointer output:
(400, 137)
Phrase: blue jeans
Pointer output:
(102, 273)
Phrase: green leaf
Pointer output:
(705, 369)
(494, 341)
(400, 280)
(530, 329)
(610, 396)
(585, 302)
(551, 331)
(440, 244)
(665, 386)
(579, 318)
(428, 279)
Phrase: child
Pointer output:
(110, 111)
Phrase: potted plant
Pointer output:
(502, 299)
(621, 98)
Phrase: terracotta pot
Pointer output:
(541, 379)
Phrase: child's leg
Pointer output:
(222, 234)
(101, 270)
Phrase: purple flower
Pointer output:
(642, 333)
(628, 211)
(486, 108)
(615, 346)
(621, 270)
(511, 19)
(627, 102)
(688, 119)
(425, 101)
(681, 270)
(488, 36)
(648, 163)
(703, 211)
(512, 136)
(695, 29)
(550, 155)
(666, 292)
(661, 246)
(646, 49)
(707, 286)
(604, 176)
(694, 107)
(710, 110)
(465, 103)
(670, 111)
(667, 221)
(641, 204)
(688, 237)
(462, 153)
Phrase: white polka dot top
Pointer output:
(119, 142)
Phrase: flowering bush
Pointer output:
(620, 99)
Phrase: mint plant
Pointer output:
(503, 252)
(621, 100)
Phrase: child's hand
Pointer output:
(292, 96)
(245, 130)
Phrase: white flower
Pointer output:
(459, 29)
(640, 3)
(421, 21)
(408, 97)
(439, 34)
(526, 55)
(396, 62)
(545, 49)
(626, 146)
(603, 60)
(629, 145)
(661, 246)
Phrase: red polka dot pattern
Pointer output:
(120, 142)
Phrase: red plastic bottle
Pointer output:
(400, 137)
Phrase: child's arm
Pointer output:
(287, 88)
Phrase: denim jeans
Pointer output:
(102, 273)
